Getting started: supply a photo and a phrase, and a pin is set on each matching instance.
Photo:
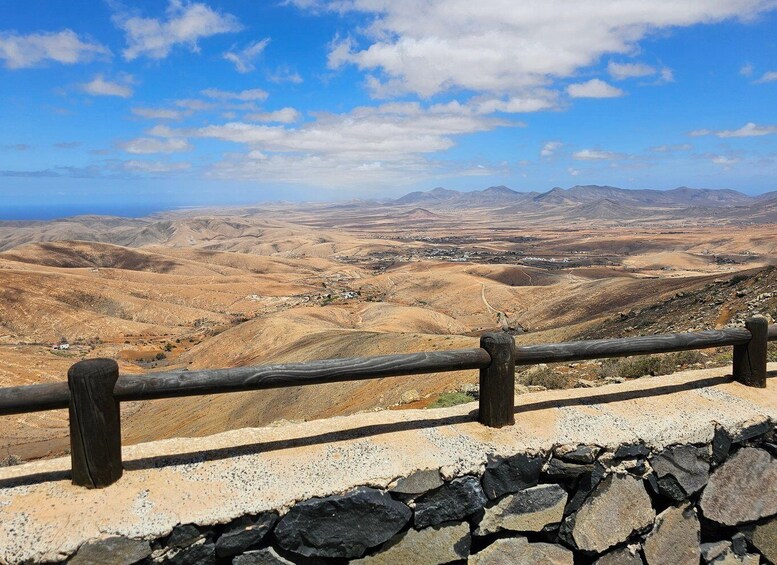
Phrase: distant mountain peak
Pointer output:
(501, 189)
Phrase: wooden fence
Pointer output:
(94, 388)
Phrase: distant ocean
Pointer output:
(54, 211)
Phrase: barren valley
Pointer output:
(294, 282)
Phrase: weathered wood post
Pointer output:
(95, 425)
(750, 358)
(497, 381)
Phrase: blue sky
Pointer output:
(174, 102)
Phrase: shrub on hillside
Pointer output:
(448, 399)
(543, 376)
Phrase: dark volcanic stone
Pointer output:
(453, 501)
(244, 533)
(681, 471)
(511, 475)
(266, 556)
(197, 554)
(585, 486)
(580, 454)
(752, 431)
(633, 450)
(559, 469)
(118, 550)
(183, 535)
(419, 482)
(770, 447)
(342, 526)
(622, 556)
(737, 490)
(721, 445)
(618, 507)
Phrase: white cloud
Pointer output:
(147, 145)
(23, 51)
(285, 74)
(594, 155)
(769, 76)
(621, 71)
(243, 59)
(573, 172)
(529, 102)
(747, 70)
(504, 46)
(252, 95)
(550, 148)
(134, 165)
(748, 130)
(671, 148)
(99, 86)
(724, 161)
(375, 145)
(158, 113)
(594, 88)
(283, 116)
(193, 104)
(184, 23)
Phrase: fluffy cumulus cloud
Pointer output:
(504, 46)
(23, 51)
(100, 86)
(623, 71)
(184, 24)
(379, 145)
(750, 129)
(594, 88)
(283, 116)
(243, 59)
(550, 148)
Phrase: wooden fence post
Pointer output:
(95, 425)
(497, 381)
(750, 358)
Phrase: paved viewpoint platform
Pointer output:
(215, 479)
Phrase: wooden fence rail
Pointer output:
(94, 388)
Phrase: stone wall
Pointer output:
(686, 503)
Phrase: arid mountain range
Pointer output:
(288, 282)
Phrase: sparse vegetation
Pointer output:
(447, 399)
(543, 376)
(10, 460)
(653, 365)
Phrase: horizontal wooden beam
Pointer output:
(188, 383)
(52, 396)
(33, 398)
(603, 348)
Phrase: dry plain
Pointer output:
(280, 283)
